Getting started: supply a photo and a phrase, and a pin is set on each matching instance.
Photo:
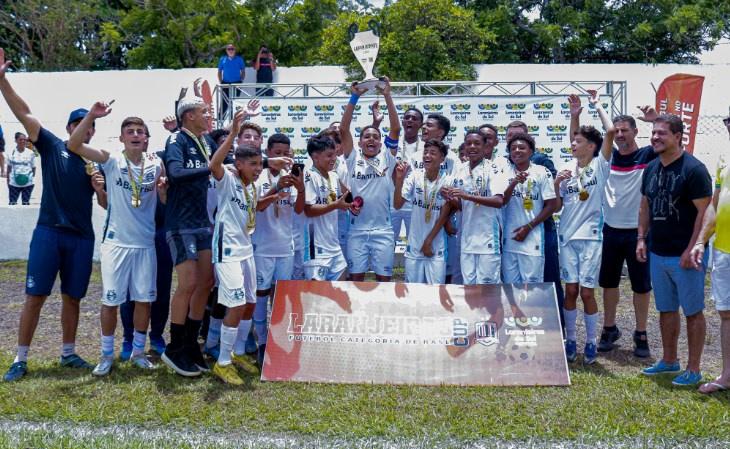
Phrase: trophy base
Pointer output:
(369, 84)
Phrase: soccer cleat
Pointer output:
(661, 367)
(227, 373)
(641, 345)
(244, 362)
(196, 356)
(104, 367)
(141, 361)
(213, 352)
(178, 361)
(260, 356)
(16, 371)
(608, 337)
(158, 345)
(687, 379)
(126, 352)
(74, 361)
(589, 357)
(571, 350)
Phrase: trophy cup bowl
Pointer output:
(365, 46)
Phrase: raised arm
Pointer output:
(17, 105)
(216, 162)
(76, 141)
(346, 122)
(399, 176)
(575, 111)
(393, 119)
(594, 99)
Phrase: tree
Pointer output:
(420, 40)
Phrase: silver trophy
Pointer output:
(365, 46)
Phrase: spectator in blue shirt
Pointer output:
(231, 70)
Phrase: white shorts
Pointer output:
(272, 269)
(370, 249)
(453, 258)
(580, 262)
(298, 268)
(329, 269)
(720, 279)
(519, 268)
(399, 217)
(481, 268)
(130, 271)
(425, 271)
(236, 282)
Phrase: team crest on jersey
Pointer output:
(192, 150)
(238, 294)
(64, 153)
(360, 163)
(111, 295)
(322, 272)
(322, 189)
(149, 177)
(30, 282)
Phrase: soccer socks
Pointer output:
(192, 329)
(260, 315)
(228, 338)
(138, 342)
(244, 327)
(22, 354)
(107, 345)
(68, 349)
(177, 336)
(214, 332)
(571, 316)
(591, 322)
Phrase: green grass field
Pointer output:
(609, 404)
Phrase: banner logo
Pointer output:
(486, 333)
(297, 112)
(433, 107)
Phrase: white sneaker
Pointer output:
(104, 366)
(141, 361)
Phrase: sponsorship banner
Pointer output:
(680, 94)
(398, 333)
(548, 117)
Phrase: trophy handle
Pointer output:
(374, 26)
(352, 30)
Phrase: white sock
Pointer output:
(214, 333)
(68, 349)
(591, 322)
(244, 327)
(107, 345)
(22, 354)
(571, 316)
(228, 338)
(138, 342)
(260, 315)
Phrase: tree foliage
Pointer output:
(420, 39)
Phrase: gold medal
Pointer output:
(135, 184)
(429, 203)
(527, 198)
(527, 203)
(428, 215)
(90, 168)
(136, 201)
(251, 201)
(583, 195)
(332, 197)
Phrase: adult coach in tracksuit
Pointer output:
(63, 240)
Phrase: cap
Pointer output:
(187, 104)
(77, 115)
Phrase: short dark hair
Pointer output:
(438, 144)
(277, 138)
(246, 152)
(218, 133)
(251, 125)
(522, 136)
(518, 124)
(625, 118)
(319, 143)
(133, 121)
(461, 147)
(676, 125)
(477, 132)
(489, 126)
(414, 109)
(18, 134)
(592, 135)
(332, 134)
(369, 127)
(443, 122)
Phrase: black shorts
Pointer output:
(620, 245)
(186, 244)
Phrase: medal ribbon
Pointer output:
(202, 144)
(136, 185)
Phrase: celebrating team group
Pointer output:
(238, 219)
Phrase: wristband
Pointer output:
(700, 244)
(529, 226)
(353, 99)
(640, 237)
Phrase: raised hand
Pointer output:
(401, 170)
(563, 175)
(386, 90)
(575, 106)
(357, 90)
(252, 109)
(4, 65)
(100, 109)
(377, 115)
(237, 122)
(521, 177)
(649, 114)
(593, 97)
(169, 123)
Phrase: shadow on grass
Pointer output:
(626, 357)
(596, 369)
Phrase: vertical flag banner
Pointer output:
(680, 94)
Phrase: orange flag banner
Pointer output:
(680, 94)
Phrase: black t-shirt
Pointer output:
(264, 74)
(670, 191)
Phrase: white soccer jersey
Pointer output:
(539, 183)
(231, 240)
(583, 220)
(371, 179)
(21, 166)
(499, 164)
(420, 199)
(320, 234)
(405, 153)
(480, 225)
(273, 236)
(446, 168)
(127, 226)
